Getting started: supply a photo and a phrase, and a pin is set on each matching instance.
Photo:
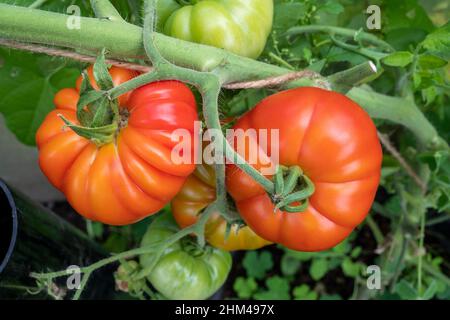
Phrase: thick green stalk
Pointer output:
(344, 32)
(125, 40)
(345, 80)
(398, 110)
(105, 10)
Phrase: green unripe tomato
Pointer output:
(184, 271)
(239, 26)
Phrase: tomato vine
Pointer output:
(210, 70)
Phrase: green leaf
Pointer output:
(431, 291)
(289, 265)
(244, 101)
(303, 292)
(301, 256)
(404, 38)
(257, 265)
(342, 248)
(138, 229)
(438, 42)
(429, 95)
(350, 268)
(116, 243)
(287, 14)
(245, 287)
(332, 7)
(318, 268)
(405, 290)
(95, 228)
(429, 61)
(408, 15)
(27, 91)
(277, 289)
(356, 252)
(398, 59)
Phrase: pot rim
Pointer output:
(5, 190)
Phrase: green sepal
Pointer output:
(289, 194)
(85, 116)
(103, 113)
(296, 209)
(279, 181)
(100, 135)
(101, 73)
(291, 181)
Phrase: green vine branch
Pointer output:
(398, 110)
(156, 249)
(355, 35)
(105, 10)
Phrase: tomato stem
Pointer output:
(398, 110)
(104, 9)
(157, 249)
(356, 35)
(297, 188)
(343, 81)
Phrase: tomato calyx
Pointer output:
(98, 135)
(100, 116)
(192, 247)
(123, 119)
(292, 189)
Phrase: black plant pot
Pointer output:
(34, 239)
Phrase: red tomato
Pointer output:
(132, 177)
(335, 143)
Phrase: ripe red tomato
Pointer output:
(335, 143)
(132, 177)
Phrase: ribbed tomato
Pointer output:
(184, 271)
(335, 143)
(197, 193)
(132, 177)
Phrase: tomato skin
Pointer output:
(239, 26)
(197, 193)
(184, 272)
(335, 143)
(133, 177)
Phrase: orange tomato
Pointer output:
(335, 143)
(197, 193)
(132, 177)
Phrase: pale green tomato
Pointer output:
(184, 271)
(239, 26)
